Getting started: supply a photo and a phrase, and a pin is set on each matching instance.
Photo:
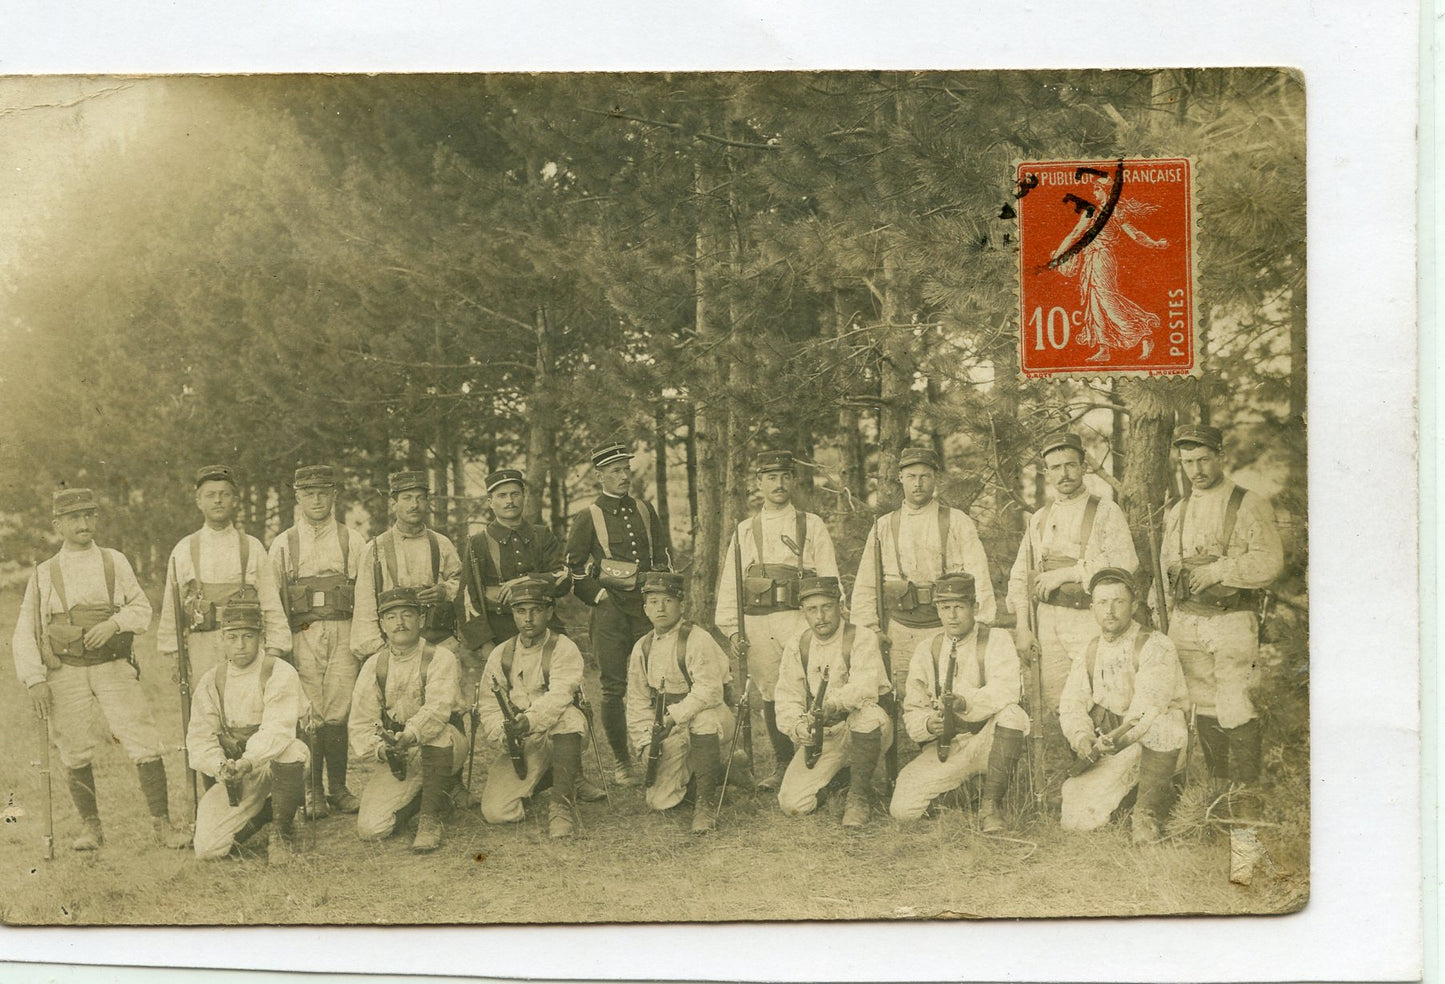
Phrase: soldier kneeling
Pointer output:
(243, 734)
(1122, 709)
(676, 711)
(961, 706)
(828, 688)
(535, 677)
(404, 712)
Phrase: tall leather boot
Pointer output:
(566, 767)
(152, 776)
(1151, 804)
(436, 767)
(315, 792)
(614, 725)
(782, 749)
(862, 755)
(1003, 756)
(82, 792)
(334, 749)
(1245, 751)
(705, 759)
(1215, 743)
(288, 792)
(249, 828)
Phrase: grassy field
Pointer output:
(629, 864)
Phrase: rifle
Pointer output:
(513, 741)
(659, 732)
(183, 677)
(585, 706)
(233, 748)
(885, 649)
(815, 742)
(474, 715)
(395, 757)
(1110, 738)
(1161, 593)
(47, 839)
(745, 717)
(1037, 779)
(950, 723)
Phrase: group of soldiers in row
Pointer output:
(329, 646)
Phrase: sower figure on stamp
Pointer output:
(677, 713)
(1220, 550)
(838, 666)
(532, 681)
(316, 562)
(405, 712)
(919, 542)
(1122, 710)
(611, 545)
(243, 734)
(73, 652)
(779, 547)
(214, 566)
(1069, 540)
(961, 706)
(507, 553)
(407, 555)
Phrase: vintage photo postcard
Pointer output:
(635, 498)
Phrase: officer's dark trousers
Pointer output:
(614, 632)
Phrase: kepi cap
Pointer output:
(1203, 434)
(72, 500)
(772, 461)
(314, 477)
(215, 473)
(403, 481)
(662, 582)
(1112, 575)
(819, 587)
(1061, 440)
(919, 456)
(241, 615)
(397, 598)
(955, 586)
(502, 476)
(532, 591)
(606, 454)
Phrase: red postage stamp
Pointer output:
(1106, 267)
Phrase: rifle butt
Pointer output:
(47, 802)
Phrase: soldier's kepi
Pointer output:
(72, 649)
(778, 547)
(316, 562)
(212, 567)
(1220, 551)
(506, 553)
(678, 668)
(611, 545)
(410, 554)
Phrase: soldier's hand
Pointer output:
(176, 668)
(833, 713)
(935, 723)
(1024, 640)
(803, 730)
(741, 646)
(405, 740)
(506, 592)
(519, 727)
(40, 697)
(98, 635)
(1203, 577)
(243, 768)
(430, 595)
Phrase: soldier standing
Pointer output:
(243, 734)
(612, 544)
(920, 541)
(779, 547)
(679, 669)
(214, 566)
(1123, 704)
(316, 563)
(508, 552)
(539, 675)
(407, 555)
(1220, 550)
(1072, 538)
(964, 681)
(73, 650)
(855, 728)
(404, 712)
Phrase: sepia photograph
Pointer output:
(696, 497)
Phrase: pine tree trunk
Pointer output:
(541, 410)
(850, 438)
(659, 466)
(895, 412)
(710, 422)
(690, 446)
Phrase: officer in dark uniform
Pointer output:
(611, 545)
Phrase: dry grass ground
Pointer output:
(629, 864)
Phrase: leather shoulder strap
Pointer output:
(805, 645)
(387, 541)
(436, 556)
(981, 654)
(1091, 657)
(646, 644)
(850, 634)
(293, 551)
(218, 680)
(1140, 641)
(343, 537)
(895, 523)
(245, 545)
(494, 551)
(645, 513)
(758, 535)
(683, 631)
(548, 647)
(383, 664)
(599, 530)
(507, 650)
(57, 582)
(944, 515)
(195, 539)
(1231, 516)
(1183, 511)
(1086, 531)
